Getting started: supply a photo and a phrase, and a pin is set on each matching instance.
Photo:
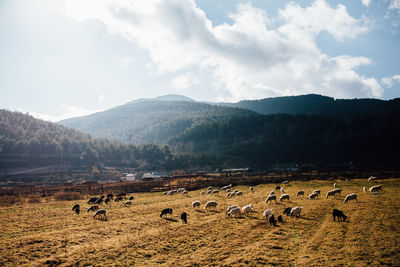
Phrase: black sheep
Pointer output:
(118, 199)
(287, 211)
(92, 200)
(184, 217)
(272, 220)
(166, 211)
(107, 201)
(131, 198)
(76, 208)
(339, 214)
(110, 196)
(280, 218)
(278, 188)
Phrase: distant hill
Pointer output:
(152, 120)
(319, 105)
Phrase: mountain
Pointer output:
(152, 120)
(319, 105)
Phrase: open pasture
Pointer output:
(50, 233)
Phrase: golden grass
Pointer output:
(50, 233)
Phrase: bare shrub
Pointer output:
(34, 199)
(68, 196)
(10, 200)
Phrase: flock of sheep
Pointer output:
(233, 210)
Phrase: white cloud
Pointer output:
(366, 2)
(395, 4)
(68, 111)
(183, 82)
(388, 81)
(255, 56)
(101, 98)
(127, 61)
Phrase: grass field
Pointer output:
(50, 233)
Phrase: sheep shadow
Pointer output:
(170, 219)
(201, 211)
(215, 211)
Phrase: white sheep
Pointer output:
(350, 197)
(238, 193)
(375, 188)
(229, 195)
(196, 204)
(251, 189)
(246, 210)
(164, 193)
(211, 204)
(300, 193)
(313, 196)
(295, 212)
(202, 193)
(330, 193)
(364, 189)
(285, 182)
(101, 212)
(334, 185)
(272, 193)
(215, 191)
(234, 212)
(317, 191)
(270, 198)
(266, 213)
(231, 207)
(337, 191)
(372, 178)
(284, 196)
(282, 190)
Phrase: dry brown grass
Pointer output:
(68, 196)
(50, 233)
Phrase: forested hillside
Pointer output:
(26, 141)
(346, 109)
(151, 121)
(263, 140)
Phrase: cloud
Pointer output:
(254, 56)
(126, 61)
(388, 81)
(183, 82)
(101, 98)
(366, 2)
(68, 111)
(395, 4)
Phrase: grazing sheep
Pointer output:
(118, 199)
(122, 194)
(334, 185)
(76, 208)
(234, 212)
(337, 191)
(228, 190)
(229, 195)
(246, 210)
(93, 208)
(107, 201)
(238, 193)
(295, 212)
(313, 196)
(317, 191)
(184, 192)
(283, 197)
(299, 193)
(272, 220)
(330, 193)
(287, 211)
(270, 198)
(272, 193)
(110, 196)
(202, 193)
(231, 207)
(339, 214)
(285, 182)
(184, 216)
(196, 204)
(266, 213)
(347, 180)
(282, 190)
(372, 178)
(211, 204)
(101, 213)
(99, 201)
(164, 193)
(131, 198)
(278, 188)
(92, 200)
(280, 218)
(166, 211)
(215, 191)
(128, 203)
(364, 189)
(350, 197)
(252, 189)
(209, 188)
(375, 188)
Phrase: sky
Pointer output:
(68, 58)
